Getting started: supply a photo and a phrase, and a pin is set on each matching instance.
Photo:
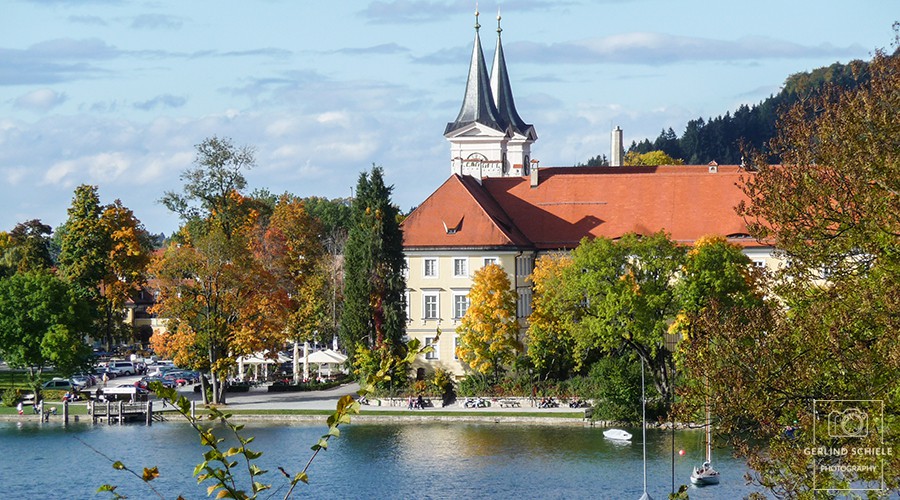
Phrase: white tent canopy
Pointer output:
(326, 357)
(264, 358)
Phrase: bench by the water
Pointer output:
(509, 403)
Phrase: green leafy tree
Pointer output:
(105, 251)
(374, 313)
(489, 332)
(25, 248)
(43, 321)
(625, 296)
(211, 192)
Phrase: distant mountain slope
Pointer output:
(721, 139)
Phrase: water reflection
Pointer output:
(441, 460)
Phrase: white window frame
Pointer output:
(406, 297)
(437, 305)
(455, 347)
(460, 295)
(436, 354)
(425, 262)
(486, 261)
(465, 267)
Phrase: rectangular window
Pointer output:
(523, 308)
(406, 305)
(455, 347)
(489, 261)
(759, 263)
(460, 306)
(435, 354)
(524, 265)
(461, 267)
(430, 302)
(431, 270)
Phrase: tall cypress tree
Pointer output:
(374, 315)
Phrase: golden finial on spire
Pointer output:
(477, 26)
(499, 29)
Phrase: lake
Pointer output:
(403, 461)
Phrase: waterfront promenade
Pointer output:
(259, 404)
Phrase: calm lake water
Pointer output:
(404, 461)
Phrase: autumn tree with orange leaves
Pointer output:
(207, 278)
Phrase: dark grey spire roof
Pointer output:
(502, 92)
(478, 103)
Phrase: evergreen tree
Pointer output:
(374, 315)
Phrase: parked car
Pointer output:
(61, 384)
(190, 376)
(126, 367)
(177, 378)
(83, 380)
(109, 371)
(144, 383)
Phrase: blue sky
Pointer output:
(116, 93)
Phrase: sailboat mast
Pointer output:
(708, 429)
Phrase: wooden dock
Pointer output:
(123, 411)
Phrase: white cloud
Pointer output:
(14, 176)
(40, 100)
(104, 167)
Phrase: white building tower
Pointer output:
(488, 138)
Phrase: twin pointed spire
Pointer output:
(488, 100)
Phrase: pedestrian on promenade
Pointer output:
(19, 408)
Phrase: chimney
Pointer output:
(618, 151)
(534, 173)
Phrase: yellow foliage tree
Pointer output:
(489, 332)
(550, 344)
(649, 159)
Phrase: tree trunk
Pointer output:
(204, 383)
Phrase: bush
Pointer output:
(473, 385)
(11, 397)
(617, 385)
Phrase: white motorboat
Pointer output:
(617, 434)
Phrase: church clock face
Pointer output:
(476, 158)
(474, 164)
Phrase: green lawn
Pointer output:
(18, 379)
(417, 413)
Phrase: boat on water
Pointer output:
(705, 474)
(617, 434)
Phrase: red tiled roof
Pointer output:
(573, 202)
(461, 213)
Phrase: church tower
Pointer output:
(488, 138)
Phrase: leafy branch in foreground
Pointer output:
(219, 466)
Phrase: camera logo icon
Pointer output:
(851, 422)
